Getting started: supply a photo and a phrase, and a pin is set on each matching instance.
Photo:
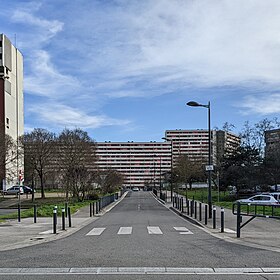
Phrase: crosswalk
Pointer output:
(152, 230)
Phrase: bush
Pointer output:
(92, 196)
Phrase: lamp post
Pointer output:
(171, 181)
(209, 168)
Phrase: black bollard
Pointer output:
(222, 219)
(69, 217)
(200, 211)
(54, 220)
(90, 209)
(214, 217)
(63, 218)
(206, 209)
(35, 213)
(19, 213)
(195, 209)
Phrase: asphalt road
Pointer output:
(138, 233)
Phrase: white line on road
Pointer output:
(96, 231)
(154, 230)
(141, 270)
(125, 230)
(183, 230)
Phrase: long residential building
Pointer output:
(145, 163)
(11, 105)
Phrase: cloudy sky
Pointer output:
(123, 70)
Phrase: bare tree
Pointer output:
(76, 158)
(8, 157)
(110, 180)
(189, 171)
(38, 151)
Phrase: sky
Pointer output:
(123, 70)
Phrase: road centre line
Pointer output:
(141, 270)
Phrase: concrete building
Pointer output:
(11, 101)
(144, 163)
(141, 163)
(272, 141)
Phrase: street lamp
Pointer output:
(171, 181)
(209, 168)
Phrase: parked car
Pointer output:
(135, 189)
(14, 190)
(27, 189)
(260, 199)
(276, 195)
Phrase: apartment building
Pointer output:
(141, 163)
(272, 141)
(11, 103)
(144, 163)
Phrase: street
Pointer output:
(138, 239)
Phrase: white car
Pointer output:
(260, 199)
(135, 189)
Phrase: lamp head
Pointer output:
(193, 104)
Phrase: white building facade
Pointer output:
(11, 103)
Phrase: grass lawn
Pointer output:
(45, 207)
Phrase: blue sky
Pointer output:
(123, 70)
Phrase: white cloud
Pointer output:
(59, 115)
(264, 104)
(25, 15)
(45, 80)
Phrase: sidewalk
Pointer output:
(260, 233)
(14, 234)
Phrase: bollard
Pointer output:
(222, 219)
(195, 209)
(191, 208)
(54, 220)
(63, 218)
(188, 207)
(182, 204)
(200, 211)
(55, 207)
(206, 206)
(69, 217)
(93, 208)
(90, 209)
(173, 201)
(35, 213)
(214, 217)
(66, 207)
(19, 213)
(238, 227)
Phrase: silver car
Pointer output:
(260, 199)
(14, 190)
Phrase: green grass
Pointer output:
(45, 208)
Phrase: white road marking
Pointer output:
(141, 270)
(154, 230)
(228, 230)
(46, 232)
(183, 230)
(125, 230)
(96, 231)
